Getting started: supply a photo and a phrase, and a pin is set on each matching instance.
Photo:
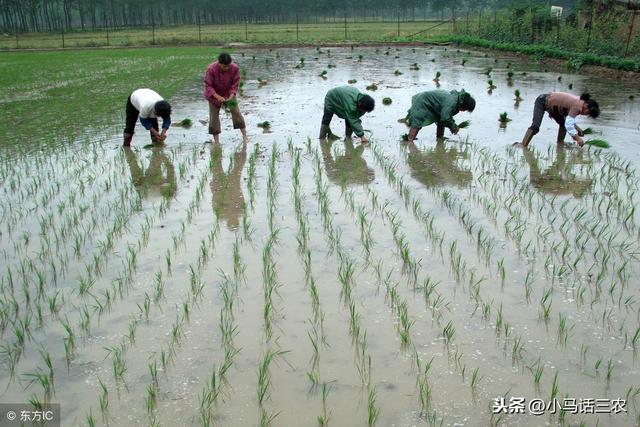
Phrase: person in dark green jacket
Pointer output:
(349, 104)
(437, 106)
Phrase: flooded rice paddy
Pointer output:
(294, 283)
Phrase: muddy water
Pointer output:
(475, 261)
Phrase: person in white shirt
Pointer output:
(148, 105)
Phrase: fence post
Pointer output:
(63, 36)
(590, 29)
(297, 28)
(107, 26)
(153, 30)
(345, 26)
(398, 24)
(558, 32)
(199, 30)
(480, 21)
(633, 21)
(467, 25)
(246, 29)
(17, 37)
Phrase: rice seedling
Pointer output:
(373, 412)
(352, 81)
(600, 143)
(437, 77)
(475, 378)
(372, 87)
(387, 101)
(323, 74)
(414, 66)
(185, 123)
(465, 124)
(264, 125)
(491, 85)
(554, 387)
(504, 118)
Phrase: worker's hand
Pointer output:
(364, 139)
(579, 140)
(232, 96)
(580, 131)
(219, 98)
(455, 130)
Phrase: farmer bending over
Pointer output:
(147, 105)
(563, 108)
(221, 83)
(349, 104)
(437, 106)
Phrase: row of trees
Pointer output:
(56, 15)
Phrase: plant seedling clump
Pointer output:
(465, 124)
(323, 73)
(264, 125)
(397, 72)
(352, 81)
(504, 118)
(372, 86)
(588, 131)
(185, 123)
(387, 101)
(405, 137)
(600, 143)
(517, 95)
(414, 66)
(437, 78)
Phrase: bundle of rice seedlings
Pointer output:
(185, 123)
(600, 143)
(465, 124)
(387, 101)
(504, 118)
(264, 125)
(588, 131)
(372, 86)
(352, 81)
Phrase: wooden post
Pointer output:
(558, 32)
(633, 21)
(590, 29)
(398, 23)
(345, 26)
(480, 21)
(199, 30)
(17, 37)
(246, 29)
(153, 30)
(297, 28)
(63, 36)
(107, 26)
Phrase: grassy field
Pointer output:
(252, 33)
(49, 95)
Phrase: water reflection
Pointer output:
(228, 199)
(158, 179)
(559, 178)
(348, 167)
(438, 166)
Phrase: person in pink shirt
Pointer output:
(221, 83)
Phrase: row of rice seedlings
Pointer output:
(251, 175)
(346, 270)
(545, 308)
(104, 249)
(400, 307)
(449, 330)
(622, 273)
(55, 172)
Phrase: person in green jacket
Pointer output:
(437, 106)
(349, 104)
